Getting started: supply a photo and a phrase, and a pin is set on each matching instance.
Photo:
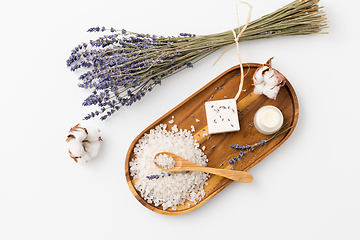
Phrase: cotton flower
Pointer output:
(271, 91)
(92, 148)
(258, 77)
(83, 143)
(267, 80)
(258, 89)
(270, 78)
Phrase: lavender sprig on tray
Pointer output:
(249, 148)
(124, 65)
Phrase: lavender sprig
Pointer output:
(249, 148)
(124, 65)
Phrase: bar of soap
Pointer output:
(221, 116)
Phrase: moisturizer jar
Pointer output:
(268, 119)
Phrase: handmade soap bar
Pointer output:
(222, 116)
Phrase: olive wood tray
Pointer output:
(185, 114)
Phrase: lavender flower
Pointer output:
(124, 66)
(249, 148)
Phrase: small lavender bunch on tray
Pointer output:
(249, 148)
(123, 66)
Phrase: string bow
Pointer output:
(236, 42)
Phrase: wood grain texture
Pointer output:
(192, 108)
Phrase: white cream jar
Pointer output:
(268, 119)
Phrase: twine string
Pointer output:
(237, 46)
(236, 42)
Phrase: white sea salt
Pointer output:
(168, 189)
(165, 161)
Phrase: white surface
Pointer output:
(222, 116)
(306, 189)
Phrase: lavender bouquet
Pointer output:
(124, 65)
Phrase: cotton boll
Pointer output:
(270, 78)
(92, 148)
(271, 91)
(79, 134)
(258, 89)
(258, 77)
(85, 157)
(83, 143)
(93, 134)
(268, 73)
(75, 147)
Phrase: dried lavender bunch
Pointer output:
(124, 65)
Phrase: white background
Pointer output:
(306, 189)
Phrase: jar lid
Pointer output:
(268, 119)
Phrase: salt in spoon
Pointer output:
(183, 165)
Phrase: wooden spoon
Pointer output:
(184, 165)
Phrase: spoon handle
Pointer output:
(239, 176)
(184, 165)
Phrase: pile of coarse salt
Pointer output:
(168, 189)
(165, 161)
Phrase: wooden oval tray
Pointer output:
(186, 113)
